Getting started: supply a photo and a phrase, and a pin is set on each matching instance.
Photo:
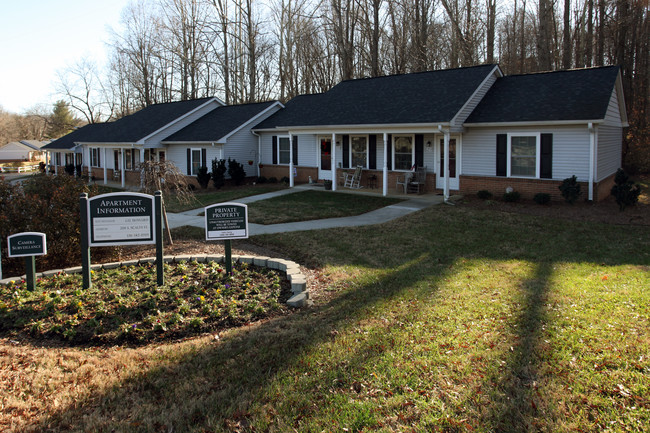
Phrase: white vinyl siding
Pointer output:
(463, 114)
(570, 150)
(609, 151)
(613, 115)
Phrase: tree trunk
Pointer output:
(566, 36)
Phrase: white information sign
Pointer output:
(121, 219)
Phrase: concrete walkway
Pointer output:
(388, 213)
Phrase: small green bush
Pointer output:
(624, 190)
(236, 171)
(218, 172)
(511, 197)
(273, 179)
(542, 198)
(285, 180)
(484, 194)
(203, 177)
(570, 189)
(262, 179)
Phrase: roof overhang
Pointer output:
(535, 123)
(359, 129)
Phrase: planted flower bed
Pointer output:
(125, 304)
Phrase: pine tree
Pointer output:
(61, 120)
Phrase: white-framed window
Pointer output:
(195, 155)
(69, 159)
(403, 152)
(131, 159)
(523, 155)
(359, 151)
(284, 150)
(95, 160)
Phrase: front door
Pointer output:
(452, 166)
(325, 165)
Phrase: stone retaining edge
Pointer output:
(300, 294)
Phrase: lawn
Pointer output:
(312, 205)
(450, 319)
(210, 196)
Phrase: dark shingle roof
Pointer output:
(219, 122)
(88, 133)
(424, 97)
(563, 95)
(150, 119)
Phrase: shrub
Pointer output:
(484, 194)
(273, 179)
(203, 177)
(624, 190)
(47, 204)
(511, 197)
(542, 198)
(285, 179)
(218, 172)
(236, 171)
(570, 189)
(262, 179)
(69, 169)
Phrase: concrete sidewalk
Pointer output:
(388, 213)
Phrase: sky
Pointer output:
(40, 37)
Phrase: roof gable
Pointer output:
(93, 132)
(581, 94)
(220, 122)
(424, 97)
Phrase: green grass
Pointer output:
(312, 205)
(207, 197)
(449, 319)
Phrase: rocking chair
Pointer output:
(353, 180)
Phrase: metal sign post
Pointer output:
(28, 245)
(226, 221)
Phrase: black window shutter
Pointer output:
(419, 150)
(372, 152)
(274, 148)
(346, 151)
(389, 151)
(189, 162)
(204, 157)
(546, 156)
(502, 154)
(295, 150)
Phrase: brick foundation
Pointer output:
(529, 187)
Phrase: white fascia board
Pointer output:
(365, 129)
(495, 70)
(539, 123)
(106, 144)
(618, 88)
(249, 121)
(186, 143)
(178, 119)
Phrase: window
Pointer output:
(196, 161)
(359, 150)
(131, 159)
(94, 157)
(69, 159)
(284, 150)
(403, 152)
(57, 158)
(523, 155)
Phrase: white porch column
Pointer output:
(105, 163)
(141, 169)
(334, 182)
(90, 171)
(56, 166)
(290, 160)
(385, 168)
(592, 159)
(47, 162)
(123, 158)
(445, 169)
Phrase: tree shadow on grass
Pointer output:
(216, 387)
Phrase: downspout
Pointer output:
(290, 160)
(259, 152)
(334, 161)
(385, 168)
(592, 150)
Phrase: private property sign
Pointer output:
(27, 244)
(121, 219)
(225, 221)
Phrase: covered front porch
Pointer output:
(383, 158)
